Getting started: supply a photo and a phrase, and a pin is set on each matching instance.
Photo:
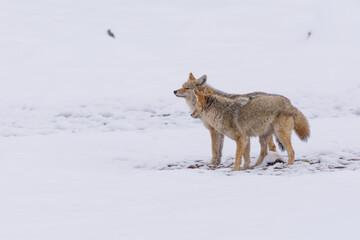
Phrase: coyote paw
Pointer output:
(240, 168)
(255, 165)
(214, 163)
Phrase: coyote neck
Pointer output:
(191, 101)
(216, 112)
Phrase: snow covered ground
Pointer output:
(94, 145)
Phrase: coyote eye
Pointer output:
(187, 88)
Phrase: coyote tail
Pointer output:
(301, 125)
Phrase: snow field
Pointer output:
(94, 145)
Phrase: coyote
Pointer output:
(217, 138)
(262, 116)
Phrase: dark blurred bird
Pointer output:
(110, 33)
(308, 35)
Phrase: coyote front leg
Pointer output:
(241, 144)
(217, 142)
(246, 155)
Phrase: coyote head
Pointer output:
(191, 84)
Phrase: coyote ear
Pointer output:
(196, 93)
(200, 97)
(201, 81)
(209, 91)
(191, 76)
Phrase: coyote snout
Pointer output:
(176, 92)
(195, 114)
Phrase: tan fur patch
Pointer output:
(209, 91)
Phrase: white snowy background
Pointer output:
(94, 144)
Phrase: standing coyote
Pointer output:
(262, 116)
(217, 138)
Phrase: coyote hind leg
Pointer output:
(264, 140)
(272, 146)
(283, 132)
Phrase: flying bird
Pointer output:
(308, 35)
(110, 33)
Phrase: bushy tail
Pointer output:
(301, 125)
